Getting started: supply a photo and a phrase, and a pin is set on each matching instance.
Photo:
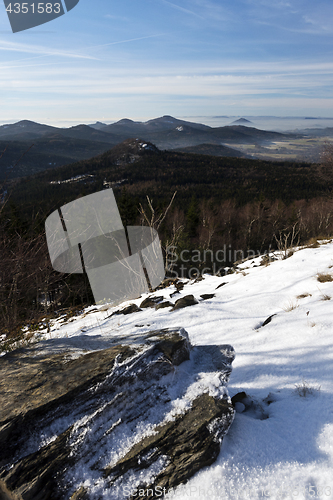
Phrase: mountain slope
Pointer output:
(24, 130)
(281, 441)
(155, 125)
(85, 132)
(142, 169)
(25, 158)
(169, 133)
(212, 150)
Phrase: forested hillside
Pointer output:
(230, 207)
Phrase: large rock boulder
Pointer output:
(132, 412)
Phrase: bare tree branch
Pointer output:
(155, 221)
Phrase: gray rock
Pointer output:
(151, 301)
(188, 443)
(268, 320)
(206, 296)
(179, 285)
(188, 300)
(221, 284)
(68, 415)
(244, 403)
(167, 303)
(239, 397)
(131, 308)
(166, 283)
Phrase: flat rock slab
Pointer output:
(132, 412)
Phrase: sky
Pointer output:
(104, 61)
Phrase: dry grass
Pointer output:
(324, 278)
(265, 261)
(312, 243)
(303, 295)
(290, 306)
(304, 389)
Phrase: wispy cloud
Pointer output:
(215, 11)
(117, 18)
(258, 78)
(302, 17)
(118, 42)
(182, 9)
(277, 4)
(42, 50)
(313, 29)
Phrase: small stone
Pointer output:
(132, 308)
(164, 304)
(238, 397)
(268, 320)
(166, 283)
(221, 284)
(151, 301)
(188, 300)
(206, 296)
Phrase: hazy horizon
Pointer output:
(274, 123)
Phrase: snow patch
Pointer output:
(290, 453)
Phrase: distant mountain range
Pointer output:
(39, 147)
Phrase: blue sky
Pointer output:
(109, 60)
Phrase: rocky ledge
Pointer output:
(130, 418)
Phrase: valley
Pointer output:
(305, 148)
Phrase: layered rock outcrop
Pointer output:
(134, 412)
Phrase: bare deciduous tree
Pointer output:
(155, 220)
(326, 165)
(287, 239)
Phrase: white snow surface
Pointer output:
(288, 452)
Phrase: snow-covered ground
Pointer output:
(283, 448)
